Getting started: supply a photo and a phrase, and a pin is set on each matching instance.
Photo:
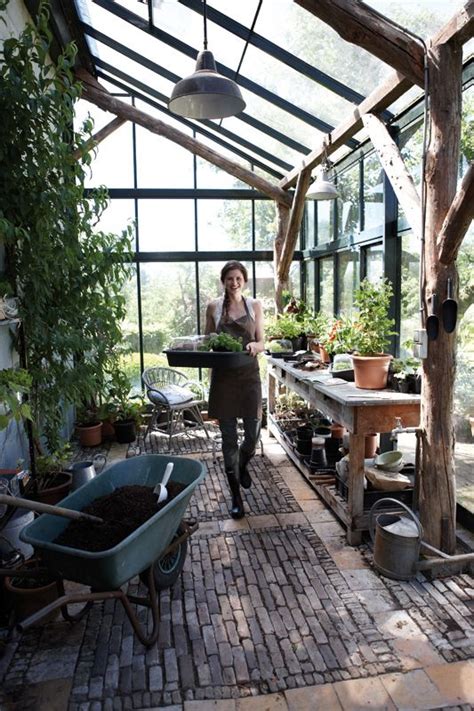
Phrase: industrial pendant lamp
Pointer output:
(205, 94)
(323, 188)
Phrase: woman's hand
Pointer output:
(254, 348)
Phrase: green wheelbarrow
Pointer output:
(155, 551)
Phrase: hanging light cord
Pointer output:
(204, 15)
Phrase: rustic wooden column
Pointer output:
(283, 218)
(437, 480)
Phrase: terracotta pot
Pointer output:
(337, 430)
(108, 431)
(371, 442)
(90, 435)
(28, 600)
(324, 355)
(371, 372)
(61, 488)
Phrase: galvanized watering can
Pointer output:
(397, 541)
(82, 472)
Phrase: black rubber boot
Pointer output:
(245, 478)
(237, 510)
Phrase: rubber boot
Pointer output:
(237, 510)
(245, 478)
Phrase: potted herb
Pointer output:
(53, 481)
(284, 326)
(88, 426)
(372, 329)
(406, 377)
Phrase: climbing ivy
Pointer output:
(68, 276)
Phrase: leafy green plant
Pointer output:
(48, 466)
(284, 325)
(372, 327)
(14, 382)
(224, 342)
(68, 275)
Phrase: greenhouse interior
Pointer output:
(237, 355)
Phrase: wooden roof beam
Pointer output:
(457, 221)
(389, 91)
(394, 167)
(359, 24)
(459, 29)
(92, 91)
(101, 135)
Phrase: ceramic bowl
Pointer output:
(390, 461)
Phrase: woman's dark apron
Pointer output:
(236, 392)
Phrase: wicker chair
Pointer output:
(179, 398)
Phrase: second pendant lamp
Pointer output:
(206, 94)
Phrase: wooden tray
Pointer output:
(208, 359)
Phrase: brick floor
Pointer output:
(271, 612)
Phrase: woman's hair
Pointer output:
(233, 264)
(228, 267)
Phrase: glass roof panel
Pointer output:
(288, 26)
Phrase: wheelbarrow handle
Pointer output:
(39, 507)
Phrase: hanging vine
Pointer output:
(68, 276)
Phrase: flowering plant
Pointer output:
(339, 337)
(372, 326)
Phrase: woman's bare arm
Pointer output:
(257, 346)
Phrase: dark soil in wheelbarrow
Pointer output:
(123, 512)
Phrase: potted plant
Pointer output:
(53, 481)
(285, 326)
(405, 374)
(371, 331)
(88, 426)
(30, 588)
(337, 338)
(128, 411)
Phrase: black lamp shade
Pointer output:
(205, 93)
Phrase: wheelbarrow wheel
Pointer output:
(167, 569)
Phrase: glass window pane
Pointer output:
(310, 285)
(374, 268)
(166, 225)
(131, 360)
(373, 193)
(105, 168)
(326, 285)
(265, 285)
(348, 211)
(265, 224)
(409, 311)
(210, 176)
(160, 162)
(310, 217)
(224, 224)
(348, 276)
(117, 216)
(168, 294)
(325, 220)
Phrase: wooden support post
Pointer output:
(283, 213)
(437, 480)
(293, 231)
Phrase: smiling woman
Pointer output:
(237, 393)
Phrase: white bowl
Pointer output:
(390, 461)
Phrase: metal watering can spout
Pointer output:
(397, 541)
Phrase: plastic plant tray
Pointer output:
(109, 569)
(208, 359)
